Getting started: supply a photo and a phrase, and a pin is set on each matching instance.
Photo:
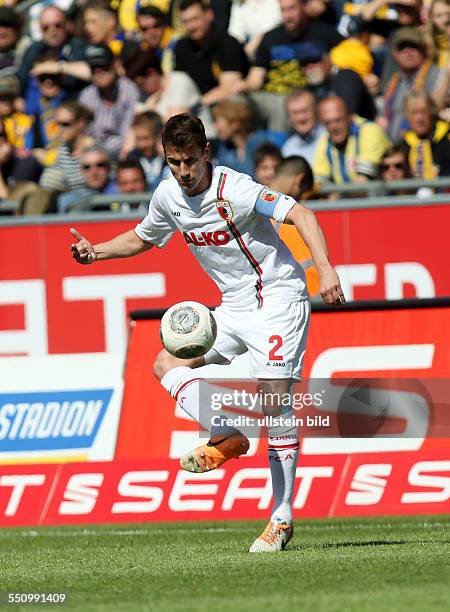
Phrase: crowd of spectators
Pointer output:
(355, 91)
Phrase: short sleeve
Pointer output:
(155, 227)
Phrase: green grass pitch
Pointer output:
(389, 564)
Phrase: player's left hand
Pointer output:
(330, 287)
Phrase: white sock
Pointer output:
(283, 457)
(183, 386)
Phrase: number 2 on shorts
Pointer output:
(277, 342)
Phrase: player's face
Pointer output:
(190, 168)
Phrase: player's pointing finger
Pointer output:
(76, 233)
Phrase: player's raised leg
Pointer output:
(178, 377)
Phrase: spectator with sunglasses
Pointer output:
(72, 120)
(394, 165)
(96, 173)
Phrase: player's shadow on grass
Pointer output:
(299, 547)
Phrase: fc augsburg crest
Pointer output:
(224, 209)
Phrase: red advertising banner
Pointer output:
(391, 343)
(48, 304)
(158, 490)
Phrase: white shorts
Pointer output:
(275, 337)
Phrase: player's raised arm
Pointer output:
(308, 227)
(123, 245)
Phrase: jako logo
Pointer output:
(207, 238)
(51, 420)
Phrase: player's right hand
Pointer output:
(82, 251)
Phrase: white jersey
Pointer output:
(236, 245)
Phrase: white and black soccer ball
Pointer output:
(188, 329)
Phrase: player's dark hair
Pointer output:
(184, 130)
(267, 149)
(186, 4)
(296, 164)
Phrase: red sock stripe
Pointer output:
(184, 385)
(284, 447)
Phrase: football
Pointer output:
(188, 329)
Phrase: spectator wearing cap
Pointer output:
(111, 98)
(278, 67)
(96, 173)
(415, 73)
(12, 45)
(427, 141)
(16, 124)
(351, 149)
(66, 51)
(303, 119)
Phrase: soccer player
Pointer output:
(225, 218)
